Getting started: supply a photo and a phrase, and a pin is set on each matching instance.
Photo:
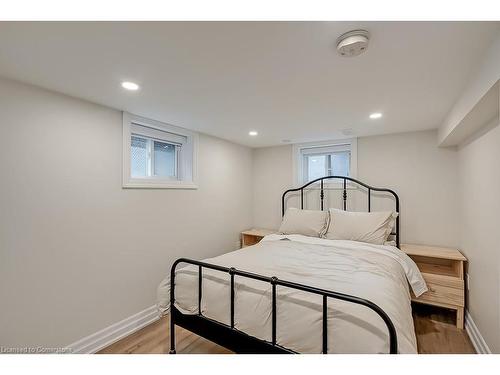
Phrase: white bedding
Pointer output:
(375, 272)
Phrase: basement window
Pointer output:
(321, 159)
(157, 155)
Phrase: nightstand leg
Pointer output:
(460, 318)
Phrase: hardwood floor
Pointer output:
(155, 338)
(435, 329)
(437, 333)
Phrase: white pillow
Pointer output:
(310, 223)
(371, 227)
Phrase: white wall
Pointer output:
(479, 228)
(424, 176)
(272, 175)
(479, 201)
(78, 252)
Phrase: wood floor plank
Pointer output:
(155, 338)
(435, 330)
(437, 333)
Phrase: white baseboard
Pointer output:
(475, 336)
(107, 336)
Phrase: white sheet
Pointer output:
(374, 272)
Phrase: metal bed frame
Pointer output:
(230, 337)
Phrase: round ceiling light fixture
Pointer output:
(127, 85)
(252, 133)
(375, 115)
(353, 43)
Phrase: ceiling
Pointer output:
(282, 79)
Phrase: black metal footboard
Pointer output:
(231, 338)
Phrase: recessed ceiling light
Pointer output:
(376, 115)
(130, 86)
(253, 133)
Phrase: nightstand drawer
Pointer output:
(443, 290)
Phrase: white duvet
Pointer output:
(377, 273)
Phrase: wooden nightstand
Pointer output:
(253, 236)
(443, 271)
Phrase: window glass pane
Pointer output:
(139, 157)
(316, 166)
(164, 159)
(340, 163)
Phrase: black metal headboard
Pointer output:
(344, 196)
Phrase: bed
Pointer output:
(299, 294)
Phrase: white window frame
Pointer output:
(298, 168)
(186, 155)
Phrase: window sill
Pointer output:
(159, 185)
